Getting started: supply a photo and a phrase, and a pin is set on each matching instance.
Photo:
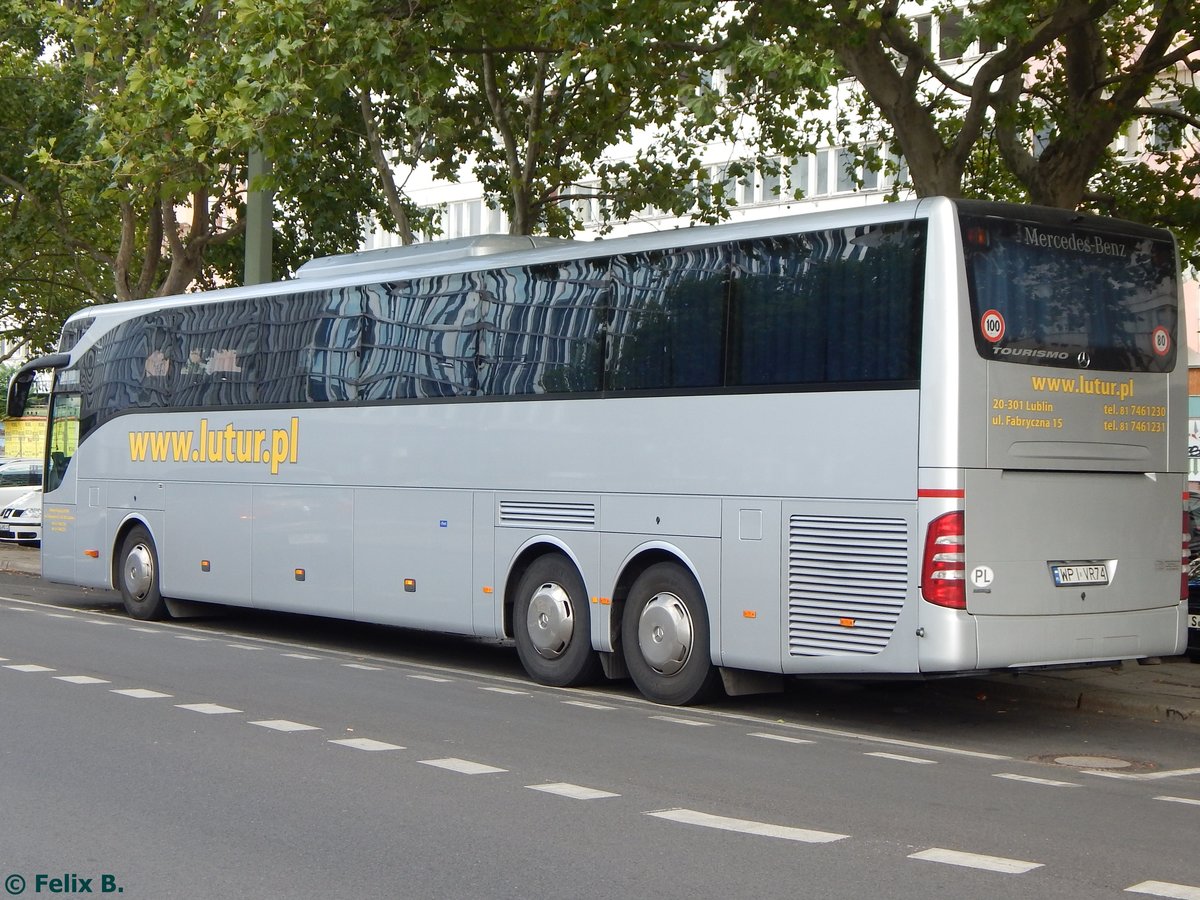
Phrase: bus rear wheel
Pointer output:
(665, 637)
(137, 576)
(551, 625)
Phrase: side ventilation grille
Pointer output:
(534, 514)
(847, 580)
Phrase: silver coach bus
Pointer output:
(920, 438)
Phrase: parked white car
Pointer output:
(21, 520)
(17, 477)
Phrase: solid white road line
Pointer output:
(745, 826)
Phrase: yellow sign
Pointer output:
(25, 437)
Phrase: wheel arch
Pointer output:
(638, 561)
(526, 554)
(130, 522)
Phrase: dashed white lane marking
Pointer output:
(301, 656)
(243, 647)
(1165, 889)
(29, 667)
(1144, 776)
(191, 637)
(209, 709)
(679, 720)
(140, 693)
(462, 766)
(1029, 779)
(976, 861)
(503, 690)
(147, 630)
(899, 758)
(572, 791)
(433, 678)
(366, 744)
(1189, 800)
(783, 738)
(745, 826)
(588, 705)
(81, 679)
(60, 615)
(285, 725)
(364, 668)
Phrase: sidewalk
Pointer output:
(1167, 692)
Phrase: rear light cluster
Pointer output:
(1186, 559)
(944, 568)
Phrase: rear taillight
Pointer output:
(943, 569)
(1186, 559)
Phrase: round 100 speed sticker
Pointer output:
(1160, 340)
(991, 325)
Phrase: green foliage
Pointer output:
(1078, 77)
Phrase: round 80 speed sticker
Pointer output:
(1161, 340)
(991, 326)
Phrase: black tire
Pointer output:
(552, 625)
(665, 637)
(137, 577)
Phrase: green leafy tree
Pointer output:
(135, 157)
(1038, 118)
(528, 96)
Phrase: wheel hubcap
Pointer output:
(139, 571)
(550, 622)
(665, 634)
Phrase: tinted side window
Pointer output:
(220, 354)
(420, 337)
(540, 329)
(666, 322)
(833, 306)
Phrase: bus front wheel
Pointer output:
(665, 637)
(551, 625)
(137, 576)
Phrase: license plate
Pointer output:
(1082, 573)
(1193, 621)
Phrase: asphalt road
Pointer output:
(283, 756)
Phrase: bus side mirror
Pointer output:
(18, 393)
(22, 381)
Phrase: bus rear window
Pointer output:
(1071, 297)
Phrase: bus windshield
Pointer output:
(1071, 297)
